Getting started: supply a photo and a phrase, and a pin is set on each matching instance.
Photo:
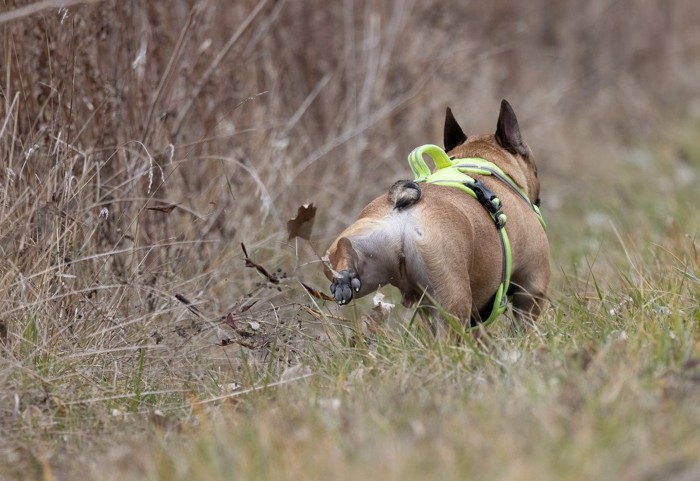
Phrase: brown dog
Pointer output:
(437, 243)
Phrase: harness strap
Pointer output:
(484, 167)
(454, 173)
(493, 205)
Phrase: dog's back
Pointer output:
(437, 240)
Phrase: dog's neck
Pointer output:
(518, 168)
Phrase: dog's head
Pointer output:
(505, 148)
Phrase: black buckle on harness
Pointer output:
(489, 200)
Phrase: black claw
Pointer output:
(347, 294)
(342, 287)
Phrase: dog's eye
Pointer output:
(537, 202)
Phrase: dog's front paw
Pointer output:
(342, 287)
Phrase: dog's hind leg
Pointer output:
(529, 300)
(453, 316)
(433, 318)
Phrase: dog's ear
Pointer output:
(453, 132)
(508, 131)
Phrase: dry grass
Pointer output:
(142, 142)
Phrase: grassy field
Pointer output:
(143, 142)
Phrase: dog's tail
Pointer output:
(404, 193)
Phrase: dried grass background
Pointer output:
(237, 113)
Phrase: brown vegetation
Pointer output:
(141, 142)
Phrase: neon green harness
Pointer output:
(453, 173)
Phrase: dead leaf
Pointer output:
(167, 208)
(230, 321)
(301, 225)
(247, 305)
(379, 314)
(193, 309)
(381, 308)
(316, 293)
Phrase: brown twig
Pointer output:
(251, 263)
